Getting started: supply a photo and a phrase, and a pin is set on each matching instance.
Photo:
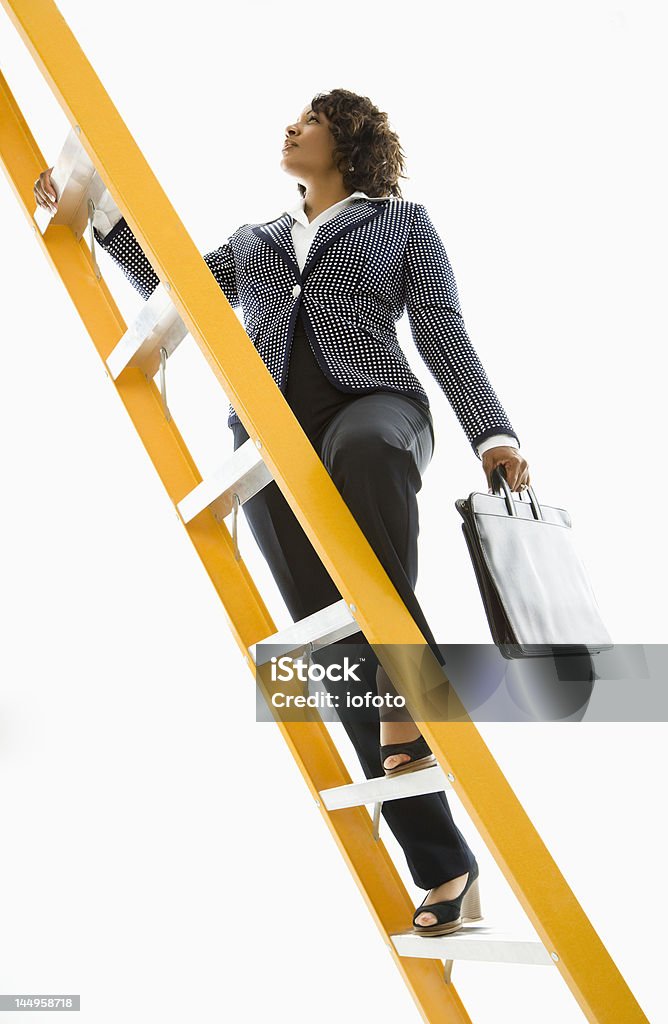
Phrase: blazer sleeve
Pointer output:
(440, 336)
(124, 249)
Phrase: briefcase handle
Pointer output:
(499, 475)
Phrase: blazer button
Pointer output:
(296, 290)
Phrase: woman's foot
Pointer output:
(447, 891)
(397, 732)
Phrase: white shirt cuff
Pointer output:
(497, 439)
(106, 214)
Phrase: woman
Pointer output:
(358, 249)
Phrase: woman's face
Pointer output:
(310, 154)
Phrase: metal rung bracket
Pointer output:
(157, 326)
(335, 622)
(91, 214)
(242, 475)
(163, 383)
(377, 807)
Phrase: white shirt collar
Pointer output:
(297, 211)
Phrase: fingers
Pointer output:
(512, 466)
(521, 477)
(517, 472)
(45, 192)
(513, 474)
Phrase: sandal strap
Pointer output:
(414, 748)
(434, 908)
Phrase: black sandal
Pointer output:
(418, 751)
(451, 914)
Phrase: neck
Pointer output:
(320, 195)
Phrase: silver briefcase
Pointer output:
(535, 589)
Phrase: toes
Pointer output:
(395, 760)
(425, 919)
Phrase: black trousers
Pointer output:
(376, 448)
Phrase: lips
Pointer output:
(288, 145)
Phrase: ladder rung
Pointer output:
(335, 622)
(427, 780)
(76, 181)
(243, 473)
(157, 325)
(472, 942)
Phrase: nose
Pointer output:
(289, 133)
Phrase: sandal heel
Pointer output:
(471, 904)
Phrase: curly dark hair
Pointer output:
(364, 140)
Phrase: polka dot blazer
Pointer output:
(366, 266)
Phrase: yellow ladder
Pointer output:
(101, 149)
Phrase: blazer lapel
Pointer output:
(278, 233)
(351, 216)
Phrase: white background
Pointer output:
(159, 853)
